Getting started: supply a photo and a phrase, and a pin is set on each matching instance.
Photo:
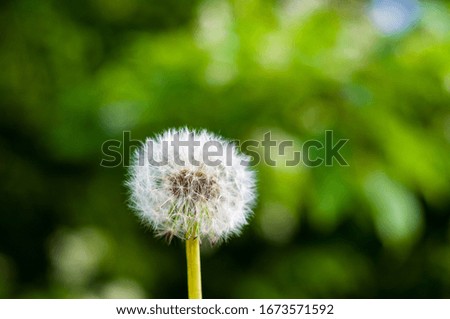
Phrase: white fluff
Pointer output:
(209, 201)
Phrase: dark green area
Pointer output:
(74, 74)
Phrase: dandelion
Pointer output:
(192, 185)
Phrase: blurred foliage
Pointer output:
(77, 73)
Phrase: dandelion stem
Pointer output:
(193, 268)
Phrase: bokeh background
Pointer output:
(74, 74)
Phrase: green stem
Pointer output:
(193, 268)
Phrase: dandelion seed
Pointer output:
(212, 202)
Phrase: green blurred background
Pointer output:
(74, 74)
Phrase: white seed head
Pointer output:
(188, 194)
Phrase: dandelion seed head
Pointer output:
(184, 193)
